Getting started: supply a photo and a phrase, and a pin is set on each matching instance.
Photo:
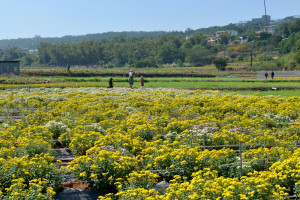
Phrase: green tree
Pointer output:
(274, 40)
(143, 63)
(198, 55)
(294, 26)
(288, 45)
(187, 44)
(12, 53)
(220, 63)
(283, 30)
(297, 56)
(29, 59)
(199, 38)
(264, 35)
(44, 52)
(224, 38)
(251, 37)
(169, 52)
(1, 53)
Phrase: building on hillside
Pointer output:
(242, 40)
(10, 67)
(290, 19)
(271, 29)
(33, 51)
(241, 23)
(211, 40)
(265, 19)
(230, 32)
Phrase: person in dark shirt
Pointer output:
(110, 82)
(266, 75)
(142, 82)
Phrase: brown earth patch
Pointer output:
(75, 184)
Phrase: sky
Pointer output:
(57, 18)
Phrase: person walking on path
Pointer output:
(130, 80)
(266, 75)
(110, 82)
(272, 75)
(142, 82)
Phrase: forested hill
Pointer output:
(32, 43)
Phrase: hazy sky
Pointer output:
(56, 18)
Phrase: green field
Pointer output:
(241, 82)
(207, 83)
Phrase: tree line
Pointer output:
(151, 51)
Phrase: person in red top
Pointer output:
(266, 75)
(142, 82)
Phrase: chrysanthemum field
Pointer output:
(206, 144)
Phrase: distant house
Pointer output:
(10, 67)
(230, 32)
(211, 40)
(271, 29)
(33, 51)
(242, 40)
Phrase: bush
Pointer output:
(38, 167)
(199, 55)
(265, 58)
(267, 66)
(240, 58)
(220, 63)
(103, 167)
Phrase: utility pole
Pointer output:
(251, 59)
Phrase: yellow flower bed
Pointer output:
(123, 137)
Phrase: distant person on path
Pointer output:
(68, 65)
(266, 75)
(131, 74)
(142, 82)
(110, 82)
(272, 75)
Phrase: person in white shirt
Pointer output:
(131, 81)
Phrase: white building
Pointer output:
(271, 29)
(230, 32)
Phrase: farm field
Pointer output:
(219, 83)
(287, 91)
(283, 93)
(204, 144)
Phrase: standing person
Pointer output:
(142, 82)
(110, 82)
(130, 80)
(272, 75)
(266, 75)
(68, 66)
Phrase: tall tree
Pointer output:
(198, 55)
(168, 52)
(12, 53)
(297, 56)
(44, 49)
(224, 38)
(283, 30)
(295, 26)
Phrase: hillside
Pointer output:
(31, 43)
